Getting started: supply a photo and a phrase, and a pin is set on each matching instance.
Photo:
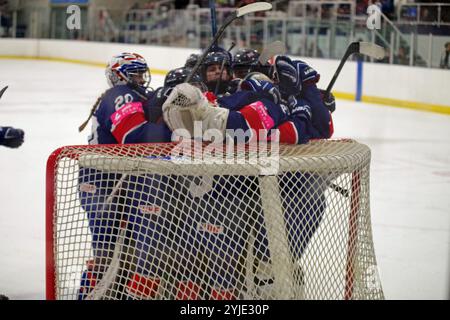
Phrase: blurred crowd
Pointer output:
(427, 12)
(223, 3)
(424, 11)
(5, 18)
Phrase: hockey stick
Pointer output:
(221, 70)
(250, 8)
(212, 7)
(365, 48)
(3, 91)
(103, 285)
(340, 190)
(271, 50)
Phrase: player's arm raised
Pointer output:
(297, 82)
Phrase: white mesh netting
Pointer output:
(135, 222)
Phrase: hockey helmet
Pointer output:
(245, 61)
(245, 57)
(191, 61)
(218, 57)
(179, 75)
(128, 68)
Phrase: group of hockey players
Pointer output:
(227, 92)
(289, 99)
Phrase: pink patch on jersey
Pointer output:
(257, 116)
(127, 110)
(266, 119)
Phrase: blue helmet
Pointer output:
(245, 57)
(179, 75)
(192, 60)
(245, 61)
(218, 57)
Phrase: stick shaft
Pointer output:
(3, 91)
(219, 81)
(213, 41)
(368, 49)
(352, 48)
(254, 7)
(212, 7)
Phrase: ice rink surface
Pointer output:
(410, 177)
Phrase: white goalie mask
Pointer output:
(128, 68)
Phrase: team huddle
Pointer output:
(226, 93)
(245, 95)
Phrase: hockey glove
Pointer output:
(307, 74)
(286, 75)
(233, 85)
(265, 88)
(299, 108)
(11, 137)
(329, 101)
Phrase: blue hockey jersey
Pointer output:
(121, 118)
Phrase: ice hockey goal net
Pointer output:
(152, 222)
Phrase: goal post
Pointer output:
(172, 221)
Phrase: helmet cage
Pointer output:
(128, 68)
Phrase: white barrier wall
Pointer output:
(431, 86)
(160, 58)
(413, 85)
(345, 83)
(409, 84)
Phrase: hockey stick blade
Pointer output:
(372, 50)
(3, 91)
(271, 50)
(338, 189)
(250, 8)
(253, 7)
(365, 48)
